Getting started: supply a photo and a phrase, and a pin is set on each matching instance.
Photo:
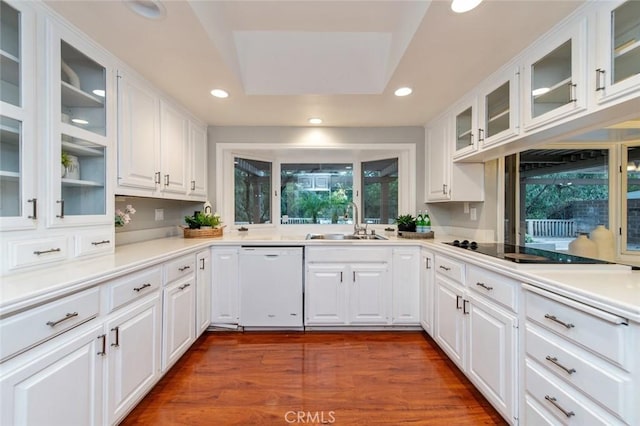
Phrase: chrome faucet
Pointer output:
(357, 228)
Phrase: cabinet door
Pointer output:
(426, 291)
(179, 317)
(225, 285)
(555, 76)
(448, 321)
(438, 160)
(369, 294)
(618, 55)
(491, 352)
(203, 293)
(18, 198)
(498, 112)
(174, 146)
(82, 125)
(57, 384)
(406, 286)
(134, 355)
(199, 162)
(138, 134)
(465, 125)
(325, 294)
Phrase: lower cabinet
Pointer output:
(178, 320)
(427, 278)
(406, 286)
(203, 291)
(342, 294)
(225, 306)
(58, 383)
(449, 323)
(133, 355)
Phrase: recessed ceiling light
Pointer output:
(99, 92)
(150, 9)
(219, 93)
(540, 91)
(461, 6)
(79, 121)
(403, 91)
(315, 120)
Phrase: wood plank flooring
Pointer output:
(342, 378)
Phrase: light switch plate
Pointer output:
(474, 213)
(159, 214)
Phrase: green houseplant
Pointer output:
(406, 223)
(199, 220)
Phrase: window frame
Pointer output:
(621, 230)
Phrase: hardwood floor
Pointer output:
(346, 378)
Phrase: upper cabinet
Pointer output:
(465, 125)
(82, 123)
(18, 196)
(162, 152)
(555, 76)
(499, 111)
(618, 49)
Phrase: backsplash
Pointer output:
(144, 226)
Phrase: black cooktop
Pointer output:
(520, 254)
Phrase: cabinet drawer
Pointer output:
(347, 254)
(450, 268)
(88, 244)
(588, 373)
(565, 403)
(598, 331)
(35, 252)
(134, 286)
(181, 267)
(26, 329)
(494, 286)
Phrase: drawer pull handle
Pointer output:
(61, 215)
(464, 307)
(552, 400)
(53, 250)
(486, 287)
(444, 267)
(202, 263)
(66, 317)
(553, 318)
(184, 268)
(117, 343)
(103, 352)
(458, 299)
(182, 287)
(554, 360)
(97, 243)
(157, 178)
(34, 216)
(142, 287)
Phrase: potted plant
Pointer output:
(202, 225)
(66, 162)
(406, 223)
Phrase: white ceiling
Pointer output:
(286, 61)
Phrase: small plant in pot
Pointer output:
(201, 220)
(406, 223)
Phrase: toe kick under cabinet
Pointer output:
(579, 363)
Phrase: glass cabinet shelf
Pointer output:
(464, 128)
(10, 160)
(497, 110)
(552, 80)
(9, 55)
(625, 22)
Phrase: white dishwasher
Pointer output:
(271, 287)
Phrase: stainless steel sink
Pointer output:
(344, 237)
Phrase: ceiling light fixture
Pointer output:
(540, 91)
(461, 6)
(219, 93)
(403, 91)
(315, 120)
(79, 121)
(150, 9)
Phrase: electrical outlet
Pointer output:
(159, 214)
(466, 207)
(474, 213)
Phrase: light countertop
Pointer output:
(612, 288)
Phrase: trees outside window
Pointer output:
(252, 183)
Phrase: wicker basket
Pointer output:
(202, 233)
(415, 235)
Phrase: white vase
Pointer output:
(603, 238)
(583, 246)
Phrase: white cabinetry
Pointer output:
(347, 286)
(448, 181)
(203, 291)
(465, 123)
(225, 306)
(59, 383)
(498, 109)
(618, 49)
(406, 286)
(478, 334)
(179, 310)
(579, 362)
(555, 83)
(427, 278)
(161, 150)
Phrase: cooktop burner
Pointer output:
(519, 254)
